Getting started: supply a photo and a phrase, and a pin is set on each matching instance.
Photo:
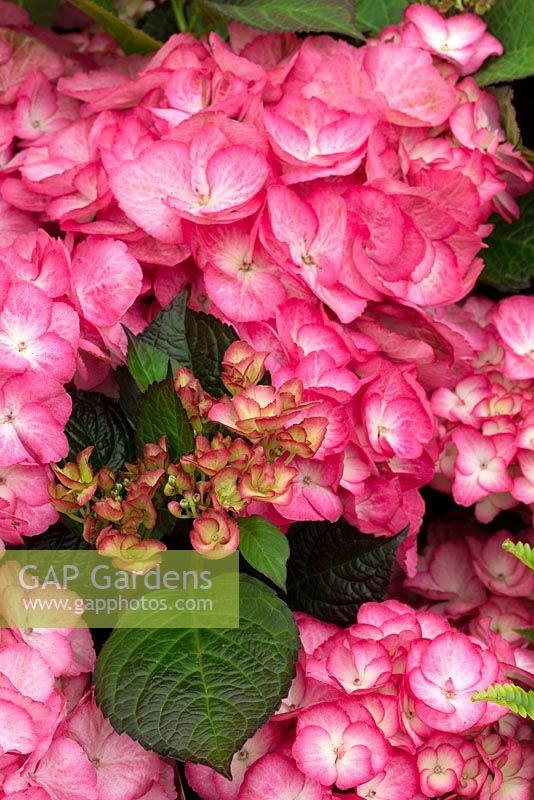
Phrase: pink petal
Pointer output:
(106, 279)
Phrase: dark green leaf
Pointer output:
(198, 694)
(130, 39)
(99, 421)
(107, 4)
(162, 414)
(509, 258)
(160, 23)
(58, 537)
(42, 12)
(373, 15)
(512, 22)
(336, 16)
(265, 548)
(129, 393)
(186, 338)
(208, 338)
(333, 569)
(166, 333)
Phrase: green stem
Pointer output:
(178, 8)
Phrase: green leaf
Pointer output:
(521, 550)
(373, 15)
(99, 421)
(208, 339)
(512, 22)
(333, 569)
(166, 333)
(265, 548)
(514, 697)
(199, 694)
(185, 338)
(107, 4)
(162, 414)
(146, 364)
(509, 258)
(336, 16)
(130, 39)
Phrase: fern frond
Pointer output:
(517, 699)
(520, 550)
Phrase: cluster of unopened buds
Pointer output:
(222, 477)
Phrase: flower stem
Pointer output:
(178, 8)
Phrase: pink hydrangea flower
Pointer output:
(440, 767)
(499, 571)
(124, 770)
(37, 334)
(28, 511)
(358, 665)
(32, 417)
(276, 775)
(396, 416)
(443, 674)
(462, 39)
(445, 574)
(480, 469)
(514, 321)
(333, 750)
(210, 174)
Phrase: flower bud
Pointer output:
(242, 367)
(129, 552)
(215, 535)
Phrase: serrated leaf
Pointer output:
(130, 39)
(208, 339)
(146, 364)
(336, 16)
(184, 338)
(333, 569)
(512, 22)
(373, 15)
(167, 331)
(265, 548)
(162, 414)
(198, 695)
(99, 421)
(521, 550)
(509, 257)
(514, 697)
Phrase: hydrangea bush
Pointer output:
(239, 308)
